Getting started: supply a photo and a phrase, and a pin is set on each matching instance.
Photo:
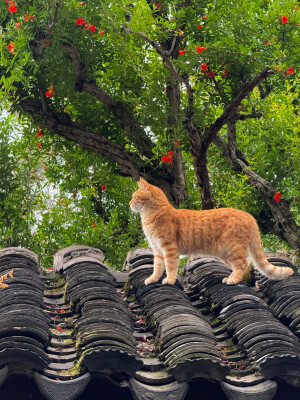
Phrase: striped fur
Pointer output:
(226, 233)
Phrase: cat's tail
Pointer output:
(261, 263)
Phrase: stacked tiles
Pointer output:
(184, 337)
(104, 330)
(24, 328)
(284, 296)
(265, 339)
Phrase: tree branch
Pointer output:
(243, 117)
(163, 53)
(170, 51)
(62, 124)
(41, 38)
(285, 225)
(211, 132)
(134, 130)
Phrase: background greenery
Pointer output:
(51, 189)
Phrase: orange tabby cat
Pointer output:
(226, 233)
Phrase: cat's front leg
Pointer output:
(158, 269)
(171, 256)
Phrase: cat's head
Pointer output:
(147, 197)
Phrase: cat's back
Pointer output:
(216, 215)
(206, 228)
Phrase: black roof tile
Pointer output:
(76, 327)
(250, 320)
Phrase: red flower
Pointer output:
(200, 26)
(277, 197)
(39, 144)
(167, 159)
(181, 52)
(62, 311)
(50, 92)
(47, 43)
(101, 32)
(289, 71)
(103, 187)
(17, 25)
(204, 67)
(12, 8)
(267, 42)
(284, 19)
(80, 21)
(211, 74)
(86, 25)
(170, 153)
(31, 17)
(39, 133)
(176, 142)
(92, 28)
(26, 17)
(94, 224)
(58, 328)
(200, 49)
(157, 5)
(11, 48)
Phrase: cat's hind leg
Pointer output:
(238, 264)
(158, 269)
(231, 279)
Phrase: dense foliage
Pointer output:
(200, 98)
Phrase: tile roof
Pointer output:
(84, 327)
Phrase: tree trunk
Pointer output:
(200, 165)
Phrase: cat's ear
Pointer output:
(143, 185)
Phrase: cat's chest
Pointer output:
(149, 230)
(155, 232)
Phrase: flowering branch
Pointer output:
(40, 41)
(213, 129)
(201, 142)
(62, 124)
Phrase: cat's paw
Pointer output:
(169, 281)
(149, 280)
(224, 280)
(231, 281)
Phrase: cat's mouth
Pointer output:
(133, 207)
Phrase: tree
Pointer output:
(147, 84)
(52, 195)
